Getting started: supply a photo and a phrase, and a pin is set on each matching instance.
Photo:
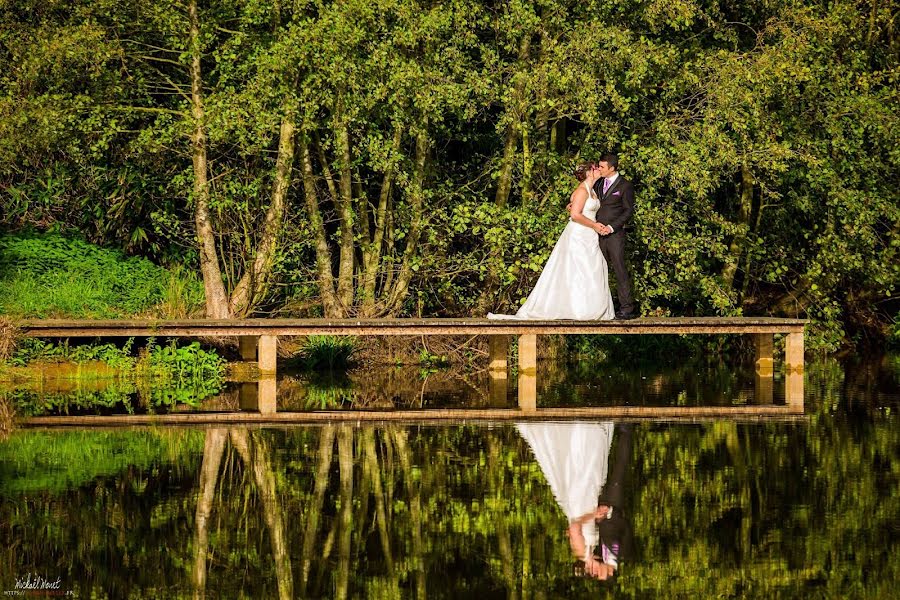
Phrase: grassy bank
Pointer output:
(51, 276)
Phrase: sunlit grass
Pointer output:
(49, 276)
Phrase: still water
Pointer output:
(800, 507)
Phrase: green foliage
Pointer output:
(761, 137)
(429, 360)
(183, 363)
(894, 335)
(53, 276)
(180, 374)
(327, 352)
(35, 349)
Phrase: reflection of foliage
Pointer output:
(38, 462)
(327, 391)
(774, 509)
(162, 376)
(611, 383)
(115, 397)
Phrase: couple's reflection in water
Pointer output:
(377, 512)
(585, 465)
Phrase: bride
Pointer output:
(573, 284)
(574, 458)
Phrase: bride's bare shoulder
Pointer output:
(579, 191)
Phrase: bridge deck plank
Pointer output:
(256, 327)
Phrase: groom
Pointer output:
(616, 207)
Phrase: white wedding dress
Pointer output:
(574, 458)
(574, 283)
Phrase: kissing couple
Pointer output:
(575, 281)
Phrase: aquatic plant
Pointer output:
(180, 374)
(327, 351)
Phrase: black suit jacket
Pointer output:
(617, 205)
(615, 532)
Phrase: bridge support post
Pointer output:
(260, 396)
(248, 395)
(498, 388)
(268, 353)
(764, 390)
(267, 403)
(764, 344)
(793, 352)
(793, 367)
(528, 372)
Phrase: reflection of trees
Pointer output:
(209, 475)
(719, 509)
(314, 511)
(256, 455)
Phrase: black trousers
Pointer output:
(613, 248)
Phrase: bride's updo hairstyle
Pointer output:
(582, 170)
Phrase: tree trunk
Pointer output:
(368, 439)
(417, 201)
(558, 136)
(329, 178)
(330, 302)
(872, 14)
(504, 180)
(344, 203)
(527, 165)
(415, 511)
(739, 241)
(252, 287)
(345, 517)
(504, 542)
(372, 252)
(216, 298)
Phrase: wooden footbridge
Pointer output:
(258, 340)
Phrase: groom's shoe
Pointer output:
(620, 316)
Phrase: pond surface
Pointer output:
(803, 507)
